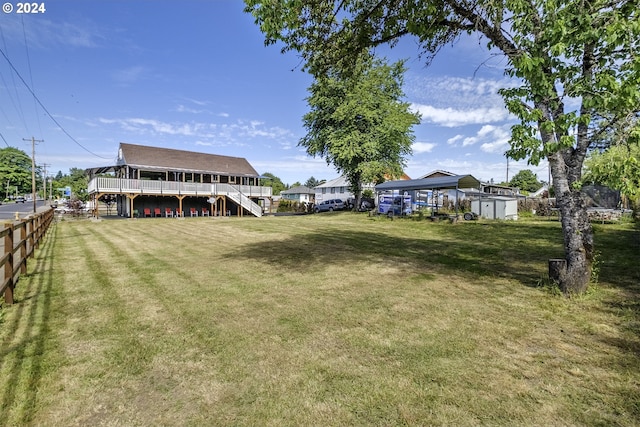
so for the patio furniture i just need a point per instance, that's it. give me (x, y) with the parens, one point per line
(205, 212)
(157, 212)
(194, 212)
(168, 212)
(147, 212)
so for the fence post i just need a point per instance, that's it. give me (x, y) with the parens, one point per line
(8, 265)
(23, 247)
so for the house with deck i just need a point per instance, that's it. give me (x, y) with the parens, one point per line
(150, 181)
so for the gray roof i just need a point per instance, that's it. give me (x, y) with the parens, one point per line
(439, 183)
(154, 158)
(300, 189)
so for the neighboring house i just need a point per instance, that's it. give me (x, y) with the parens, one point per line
(499, 190)
(338, 188)
(151, 179)
(300, 194)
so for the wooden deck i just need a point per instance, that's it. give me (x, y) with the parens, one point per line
(240, 194)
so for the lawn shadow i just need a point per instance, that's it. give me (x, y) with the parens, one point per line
(475, 250)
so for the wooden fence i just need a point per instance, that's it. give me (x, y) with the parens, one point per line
(15, 252)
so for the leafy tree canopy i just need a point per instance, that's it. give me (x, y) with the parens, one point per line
(15, 171)
(358, 121)
(617, 168)
(525, 180)
(274, 182)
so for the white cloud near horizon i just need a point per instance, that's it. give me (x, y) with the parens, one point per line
(450, 117)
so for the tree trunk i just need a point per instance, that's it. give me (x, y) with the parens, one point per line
(576, 229)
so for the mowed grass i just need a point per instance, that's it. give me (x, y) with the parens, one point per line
(322, 320)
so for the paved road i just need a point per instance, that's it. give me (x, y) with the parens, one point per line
(8, 210)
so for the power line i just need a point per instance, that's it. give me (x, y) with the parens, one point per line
(26, 48)
(47, 111)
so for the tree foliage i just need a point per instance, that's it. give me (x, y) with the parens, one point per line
(575, 66)
(15, 171)
(617, 168)
(274, 182)
(359, 123)
(525, 180)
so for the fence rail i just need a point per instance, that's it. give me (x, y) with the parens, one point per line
(15, 252)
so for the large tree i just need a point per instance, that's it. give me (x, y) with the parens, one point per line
(525, 180)
(574, 63)
(359, 123)
(276, 184)
(15, 171)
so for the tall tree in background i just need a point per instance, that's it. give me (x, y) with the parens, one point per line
(15, 171)
(359, 123)
(274, 182)
(575, 63)
(525, 180)
(312, 182)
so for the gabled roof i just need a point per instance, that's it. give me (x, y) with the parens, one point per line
(440, 183)
(300, 189)
(340, 181)
(154, 158)
(436, 174)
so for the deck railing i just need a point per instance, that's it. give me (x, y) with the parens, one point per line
(141, 186)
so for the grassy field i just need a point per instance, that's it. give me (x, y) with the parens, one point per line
(323, 320)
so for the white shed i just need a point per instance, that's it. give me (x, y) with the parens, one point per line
(495, 207)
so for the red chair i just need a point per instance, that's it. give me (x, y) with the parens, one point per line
(157, 212)
(168, 212)
(147, 212)
(194, 212)
(205, 212)
(179, 213)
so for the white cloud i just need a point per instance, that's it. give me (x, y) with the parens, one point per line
(450, 117)
(452, 141)
(423, 147)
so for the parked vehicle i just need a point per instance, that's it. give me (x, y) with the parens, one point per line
(20, 199)
(329, 206)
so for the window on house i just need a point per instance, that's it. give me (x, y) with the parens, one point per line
(324, 190)
(333, 190)
(341, 189)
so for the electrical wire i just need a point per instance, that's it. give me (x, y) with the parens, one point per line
(47, 111)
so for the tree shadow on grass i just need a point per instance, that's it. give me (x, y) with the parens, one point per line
(475, 250)
(513, 250)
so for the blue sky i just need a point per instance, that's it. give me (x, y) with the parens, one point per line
(195, 75)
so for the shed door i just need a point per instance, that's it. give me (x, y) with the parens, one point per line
(488, 209)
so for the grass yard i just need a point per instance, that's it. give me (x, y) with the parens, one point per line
(323, 320)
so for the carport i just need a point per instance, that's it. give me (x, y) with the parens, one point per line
(455, 182)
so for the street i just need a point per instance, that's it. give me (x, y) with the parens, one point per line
(8, 210)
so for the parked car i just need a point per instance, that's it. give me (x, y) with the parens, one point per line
(20, 199)
(329, 206)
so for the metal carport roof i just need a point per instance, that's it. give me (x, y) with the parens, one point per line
(439, 183)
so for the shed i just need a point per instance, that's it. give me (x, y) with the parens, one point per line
(495, 207)
(454, 182)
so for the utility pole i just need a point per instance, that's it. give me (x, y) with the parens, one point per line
(33, 170)
(44, 180)
(507, 170)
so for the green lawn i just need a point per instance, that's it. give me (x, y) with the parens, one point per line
(322, 320)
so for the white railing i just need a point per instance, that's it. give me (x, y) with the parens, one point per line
(238, 193)
(141, 186)
(246, 203)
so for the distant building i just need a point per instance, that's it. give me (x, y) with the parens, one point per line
(300, 194)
